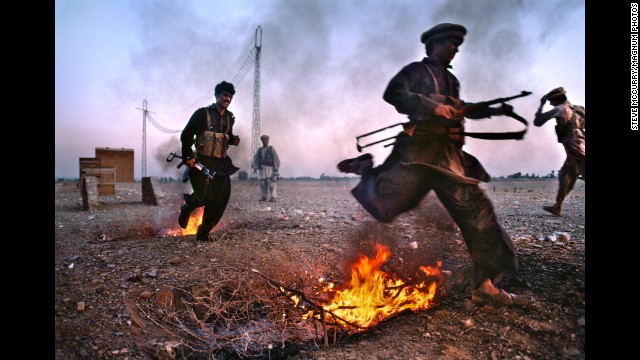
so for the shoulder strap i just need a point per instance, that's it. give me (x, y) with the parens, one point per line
(515, 135)
(433, 77)
(208, 118)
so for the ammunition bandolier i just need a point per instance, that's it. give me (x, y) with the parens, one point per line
(212, 133)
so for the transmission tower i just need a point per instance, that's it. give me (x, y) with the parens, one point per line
(255, 144)
(145, 114)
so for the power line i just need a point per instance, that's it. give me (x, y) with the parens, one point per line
(160, 127)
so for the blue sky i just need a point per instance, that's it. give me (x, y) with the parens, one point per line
(323, 68)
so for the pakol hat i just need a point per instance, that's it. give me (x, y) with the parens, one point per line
(444, 31)
(224, 86)
(264, 137)
(555, 93)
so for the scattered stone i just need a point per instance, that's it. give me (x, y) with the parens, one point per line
(175, 261)
(83, 353)
(564, 237)
(571, 352)
(340, 223)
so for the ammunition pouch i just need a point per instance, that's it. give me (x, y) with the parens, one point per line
(212, 144)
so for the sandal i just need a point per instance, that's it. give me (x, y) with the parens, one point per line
(502, 298)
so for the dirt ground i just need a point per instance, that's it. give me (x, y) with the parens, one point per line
(117, 267)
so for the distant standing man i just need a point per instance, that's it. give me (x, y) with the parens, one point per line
(570, 133)
(266, 163)
(211, 130)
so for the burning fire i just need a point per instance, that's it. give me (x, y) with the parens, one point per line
(194, 221)
(372, 295)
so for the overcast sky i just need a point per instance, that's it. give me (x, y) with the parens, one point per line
(324, 66)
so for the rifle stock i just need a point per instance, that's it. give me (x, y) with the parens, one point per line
(198, 166)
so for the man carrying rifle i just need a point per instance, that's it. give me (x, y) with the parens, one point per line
(428, 155)
(211, 129)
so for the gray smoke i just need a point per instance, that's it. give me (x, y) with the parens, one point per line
(324, 67)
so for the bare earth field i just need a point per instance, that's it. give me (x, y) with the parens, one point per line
(129, 285)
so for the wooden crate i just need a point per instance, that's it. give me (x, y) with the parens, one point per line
(88, 163)
(105, 177)
(106, 189)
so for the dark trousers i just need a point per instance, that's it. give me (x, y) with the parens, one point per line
(573, 165)
(213, 195)
(396, 187)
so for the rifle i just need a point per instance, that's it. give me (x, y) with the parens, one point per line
(466, 110)
(208, 173)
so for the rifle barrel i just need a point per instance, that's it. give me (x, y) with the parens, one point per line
(376, 131)
(501, 100)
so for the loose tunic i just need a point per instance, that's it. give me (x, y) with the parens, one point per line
(571, 134)
(433, 159)
(267, 162)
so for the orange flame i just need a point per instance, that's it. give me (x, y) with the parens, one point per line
(373, 295)
(194, 221)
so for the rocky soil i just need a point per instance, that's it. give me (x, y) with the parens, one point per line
(121, 271)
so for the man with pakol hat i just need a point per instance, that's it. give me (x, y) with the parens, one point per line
(427, 156)
(266, 164)
(210, 129)
(570, 133)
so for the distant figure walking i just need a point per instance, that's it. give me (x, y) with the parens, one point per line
(570, 133)
(266, 163)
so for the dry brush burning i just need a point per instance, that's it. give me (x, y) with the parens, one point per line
(373, 295)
